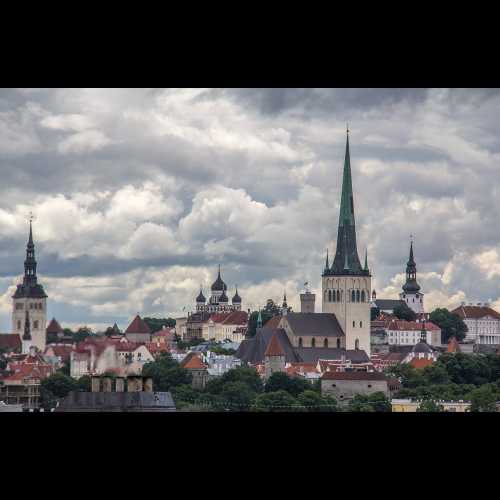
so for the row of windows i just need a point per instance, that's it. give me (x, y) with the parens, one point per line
(338, 295)
(35, 324)
(32, 305)
(360, 324)
(313, 342)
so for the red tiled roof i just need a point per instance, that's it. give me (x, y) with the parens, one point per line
(274, 347)
(237, 318)
(295, 368)
(138, 325)
(63, 351)
(353, 376)
(421, 362)
(54, 327)
(193, 362)
(273, 322)
(403, 325)
(29, 371)
(475, 312)
(10, 341)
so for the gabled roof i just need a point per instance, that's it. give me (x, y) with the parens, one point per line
(314, 324)
(475, 312)
(193, 362)
(274, 347)
(138, 325)
(403, 325)
(273, 322)
(54, 327)
(10, 341)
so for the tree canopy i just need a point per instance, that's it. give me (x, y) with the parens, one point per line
(451, 324)
(156, 324)
(404, 312)
(166, 373)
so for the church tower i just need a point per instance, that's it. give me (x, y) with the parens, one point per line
(346, 284)
(411, 289)
(29, 308)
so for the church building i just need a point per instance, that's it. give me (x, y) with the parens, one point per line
(411, 294)
(346, 284)
(218, 301)
(29, 308)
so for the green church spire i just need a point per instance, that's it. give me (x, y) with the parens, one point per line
(347, 201)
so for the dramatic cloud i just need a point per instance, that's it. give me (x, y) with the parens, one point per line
(140, 193)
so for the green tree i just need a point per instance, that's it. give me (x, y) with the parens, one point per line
(451, 324)
(82, 333)
(83, 384)
(237, 395)
(185, 394)
(281, 381)
(429, 406)
(314, 402)
(483, 399)
(404, 312)
(374, 313)
(279, 401)
(375, 402)
(156, 324)
(59, 384)
(246, 375)
(166, 373)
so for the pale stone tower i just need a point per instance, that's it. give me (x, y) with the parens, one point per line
(29, 308)
(307, 301)
(274, 357)
(346, 285)
(411, 289)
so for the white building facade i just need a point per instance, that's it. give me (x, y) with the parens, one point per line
(482, 321)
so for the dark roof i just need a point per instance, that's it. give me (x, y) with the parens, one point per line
(253, 350)
(388, 304)
(201, 297)
(218, 285)
(117, 401)
(353, 376)
(10, 341)
(422, 347)
(236, 298)
(223, 297)
(309, 324)
(32, 292)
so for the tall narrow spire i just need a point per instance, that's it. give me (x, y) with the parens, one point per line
(327, 264)
(346, 254)
(411, 285)
(30, 278)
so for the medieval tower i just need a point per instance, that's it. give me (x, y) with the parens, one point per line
(29, 308)
(346, 285)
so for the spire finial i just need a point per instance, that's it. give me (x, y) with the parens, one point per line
(347, 127)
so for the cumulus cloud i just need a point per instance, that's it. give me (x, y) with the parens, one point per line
(140, 193)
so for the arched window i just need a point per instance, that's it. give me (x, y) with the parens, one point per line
(329, 295)
(313, 342)
(338, 343)
(300, 341)
(356, 344)
(338, 296)
(361, 324)
(353, 296)
(363, 297)
(357, 296)
(333, 294)
(325, 343)
(354, 324)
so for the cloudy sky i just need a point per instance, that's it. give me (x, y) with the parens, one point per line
(140, 193)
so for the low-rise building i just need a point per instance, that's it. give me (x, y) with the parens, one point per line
(194, 363)
(345, 385)
(483, 323)
(411, 406)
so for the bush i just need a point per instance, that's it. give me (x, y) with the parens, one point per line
(281, 381)
(279, 401)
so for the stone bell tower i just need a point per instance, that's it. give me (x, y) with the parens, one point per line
(29, 307)
(346, 284)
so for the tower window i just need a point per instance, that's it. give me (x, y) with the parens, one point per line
(313, 342)
(300, 341)
(361, 324)
(35, 324)
(329, 295)
(338, 296)
(18, 325)
(357, 296)
(354, 324)
(338, 343)
(333, 296)
(325, 343)
(356, 344)
(363, 297)
(353, 296)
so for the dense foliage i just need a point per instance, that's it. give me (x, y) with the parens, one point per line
(404, 312)
(451, 324)
(166, 373)
(58, 386)
(156, 324)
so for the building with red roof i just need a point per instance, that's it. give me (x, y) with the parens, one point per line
(138, 330)
(197, 368)
(483, 323)
(10, 342)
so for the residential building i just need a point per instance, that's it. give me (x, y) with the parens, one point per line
(411, 406)
(230, 326)
(483, 323)
(346, 284)
(402, 332)
(29, 303)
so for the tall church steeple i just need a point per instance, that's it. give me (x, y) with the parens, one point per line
(30, 262)
(346, 259)
(411, 293)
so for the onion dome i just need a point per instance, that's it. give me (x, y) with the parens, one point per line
(201, 297)
(236, 297)
(223, 297)
(218, 285)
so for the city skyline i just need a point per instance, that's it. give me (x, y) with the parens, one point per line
(140, 194)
